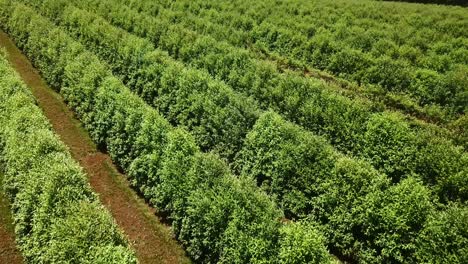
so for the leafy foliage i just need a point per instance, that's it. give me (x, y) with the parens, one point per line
(301, 245)
(444, 238)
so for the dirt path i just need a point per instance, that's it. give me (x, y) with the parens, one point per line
(152, 240)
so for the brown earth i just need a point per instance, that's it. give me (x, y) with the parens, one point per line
(152, 240)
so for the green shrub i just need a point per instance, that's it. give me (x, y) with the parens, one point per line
(176, 161)
(456, 93)
(206, 172)
(301, 243)
(126, 122)
(341, 204)
(239, 218)
(337, 118)
(393, 220)
(444, 238)
(385, 47)
(78, 233)
(389, 145)
(460, 129)
(82, 76)
(286, 161)
(427, 85)
(349, 62)
(393, 75)
(433, 156)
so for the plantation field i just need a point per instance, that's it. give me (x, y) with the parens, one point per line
(261, 131)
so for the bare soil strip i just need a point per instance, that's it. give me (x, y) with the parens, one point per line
(151, 239)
